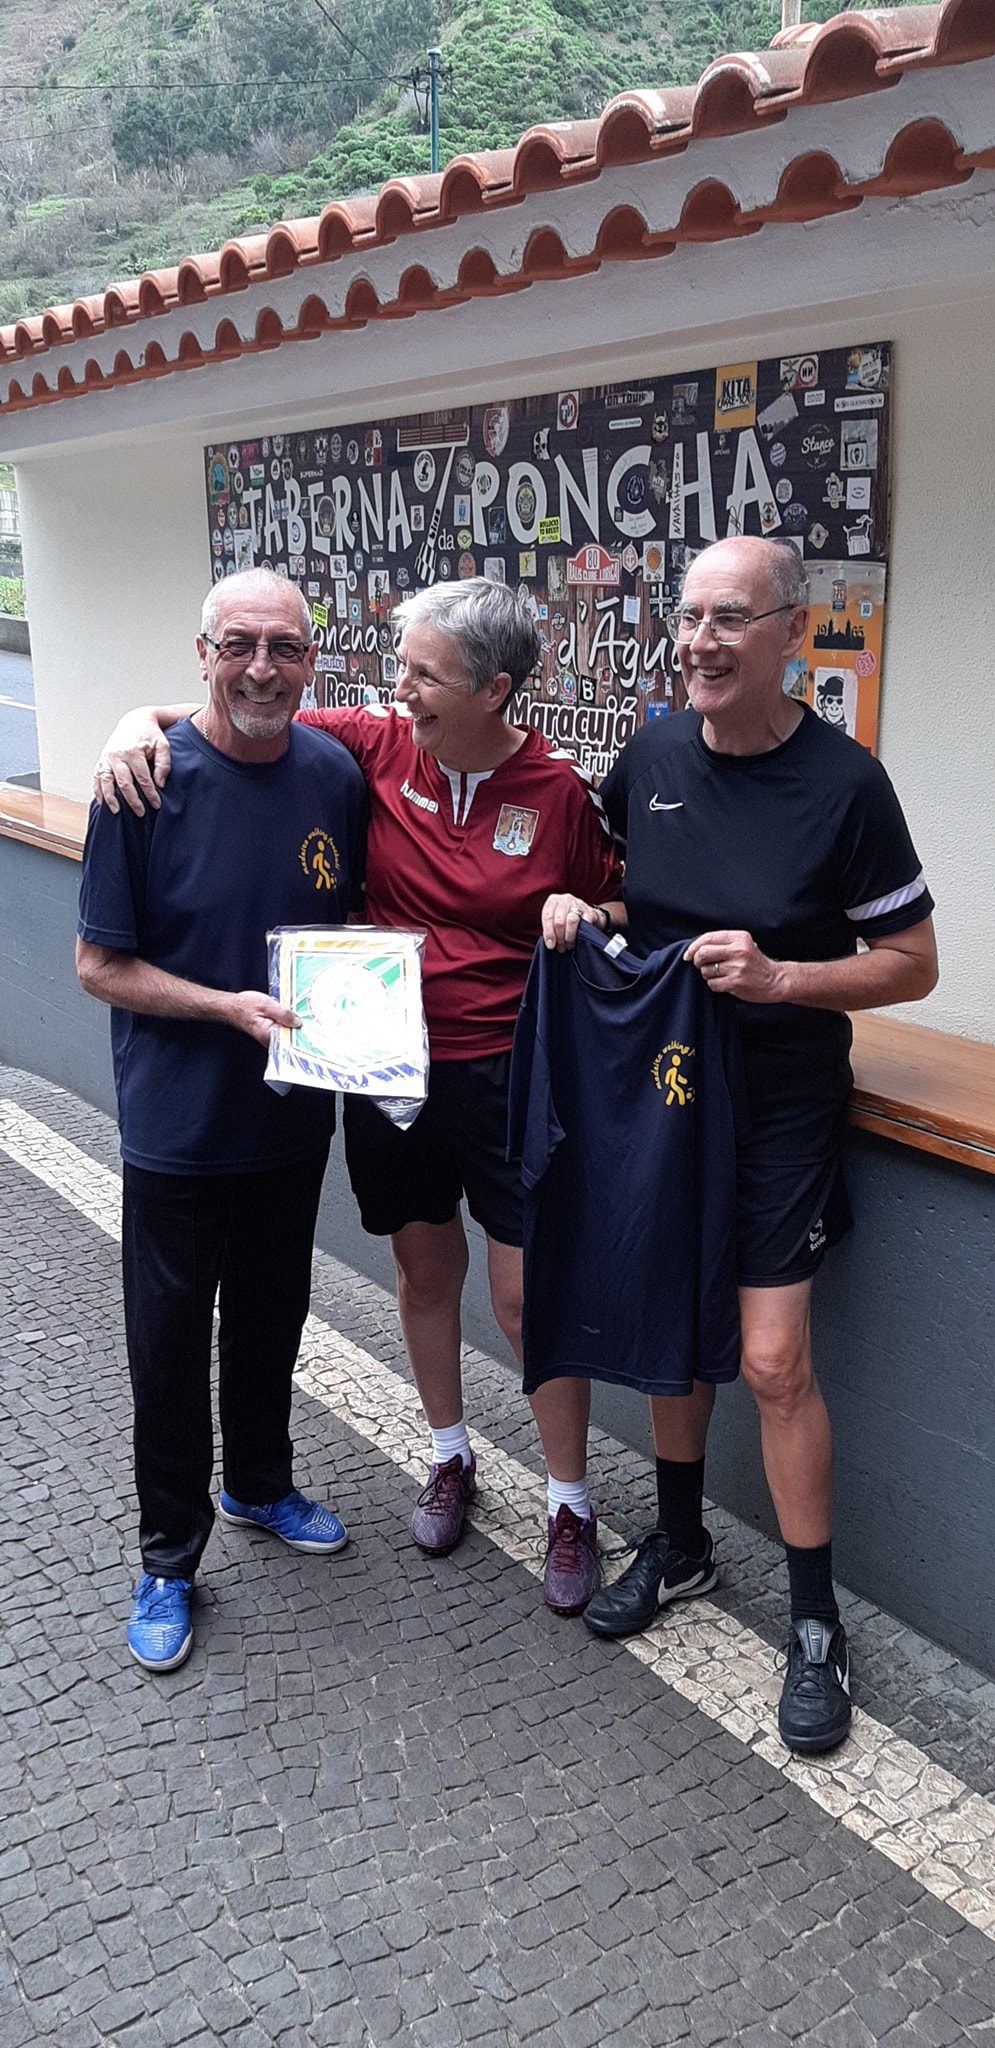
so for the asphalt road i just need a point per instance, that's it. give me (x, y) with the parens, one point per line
(18, 733)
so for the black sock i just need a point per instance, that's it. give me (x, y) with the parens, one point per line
(810, 1577)
(679, 1490)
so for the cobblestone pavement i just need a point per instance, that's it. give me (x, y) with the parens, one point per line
(394, 1801)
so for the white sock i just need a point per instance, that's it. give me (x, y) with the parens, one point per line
(568, 1493)
(446, 1443)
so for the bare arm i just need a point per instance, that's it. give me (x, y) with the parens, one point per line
(561, 915)
(136, 759)
(129, 983)
(901, 968)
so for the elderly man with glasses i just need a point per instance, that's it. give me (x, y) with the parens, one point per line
(768, 844)
(262, 824)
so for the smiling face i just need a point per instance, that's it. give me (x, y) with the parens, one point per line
(738, 686)
(459, 727)
(252, 701)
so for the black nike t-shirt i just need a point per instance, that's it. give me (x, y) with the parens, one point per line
(804, 846)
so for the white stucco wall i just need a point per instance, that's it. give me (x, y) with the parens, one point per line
(117, 557)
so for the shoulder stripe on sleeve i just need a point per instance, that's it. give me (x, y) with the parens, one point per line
(879, 906)
(582, 774)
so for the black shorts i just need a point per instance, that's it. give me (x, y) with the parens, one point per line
(792, 1203)
(456, 1146)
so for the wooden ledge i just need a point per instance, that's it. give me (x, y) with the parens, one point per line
(52, 822)
(922, 1088)
(925, 1088)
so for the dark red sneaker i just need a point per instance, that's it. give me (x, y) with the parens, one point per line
(439, 1519)
(573, 1571)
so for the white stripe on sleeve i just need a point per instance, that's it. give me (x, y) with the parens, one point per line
(880, 906)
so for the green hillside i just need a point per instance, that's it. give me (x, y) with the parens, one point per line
(135, 131)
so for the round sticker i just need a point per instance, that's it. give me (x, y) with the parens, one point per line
(794, 517)
(525, 501)
(445, 569)
(495, 429)
(274, 470)
(778, 454)
(324, 517)
(335, 447)
(352, 452)
(424, 471)
(783, 489)
(278, 444)
(568, 687)
(865, 662)
(634, 490)
(286, 469)
(467, 565)
(653, 558)
(485, 480)
(464, 538)
(238, 482)
(464, 469)
(233, 456)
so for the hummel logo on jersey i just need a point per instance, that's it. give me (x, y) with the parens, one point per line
(425, 803)
(656, 805)
(816, 1236)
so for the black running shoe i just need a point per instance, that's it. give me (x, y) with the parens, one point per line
(656, 1576)
(815, 1710)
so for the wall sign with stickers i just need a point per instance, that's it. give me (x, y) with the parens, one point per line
(592, 503)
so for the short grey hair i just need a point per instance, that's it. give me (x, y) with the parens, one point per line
(492, 629)
(786, 572)
(261, 582)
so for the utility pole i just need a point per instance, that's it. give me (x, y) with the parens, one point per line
(791, 14)
(438, 75)
(434, 63)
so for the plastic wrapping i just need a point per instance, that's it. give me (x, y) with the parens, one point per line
(357, 991)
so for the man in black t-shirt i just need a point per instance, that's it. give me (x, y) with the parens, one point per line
(769, 843)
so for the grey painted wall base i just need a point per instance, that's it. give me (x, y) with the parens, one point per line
(904, 1313)
(15, 635)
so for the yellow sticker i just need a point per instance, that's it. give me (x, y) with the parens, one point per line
(735, 395)
(319, 613)
(549, 532)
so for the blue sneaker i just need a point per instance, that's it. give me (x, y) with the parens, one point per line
(303, 1524)
(159, 1630)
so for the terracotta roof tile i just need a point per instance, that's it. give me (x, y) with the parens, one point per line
(813, 65)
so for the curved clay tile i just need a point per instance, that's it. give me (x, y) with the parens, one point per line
(234, 271)
(342, 224)
(966, 29)
(193, 279)
(66, 382)
(151, 299)
(83, 321)
(538, 163)
(313, 316)
(40, 386)
(28, 336)
(189, 355)
(406, 204)
(905, 31)
(462, 189)
(710, 214)
(637, 125)
(574, 144)
(546, 257)
(124, 371)
(227, 339)
(57, 325)
(842, 61)
(269, 328)
(923, 157)
(417, 289)
(120, 304)
(154, 360)
(283, 250)
(361, 302)
(15, 396)
(810, 187)
(93, 376)
(478, 274)
(624, 237)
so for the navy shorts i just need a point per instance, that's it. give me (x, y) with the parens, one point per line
(456, 1146)
(792, 1203)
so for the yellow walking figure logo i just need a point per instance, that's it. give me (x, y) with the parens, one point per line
(669, 1075)
(320, 859)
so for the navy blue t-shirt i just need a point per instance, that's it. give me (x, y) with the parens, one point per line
(193, 888)
(626, 1099)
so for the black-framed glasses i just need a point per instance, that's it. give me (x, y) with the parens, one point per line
(241, 647)
(727, 627)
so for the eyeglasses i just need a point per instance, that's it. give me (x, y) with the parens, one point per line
(728, 628)
(241, 647)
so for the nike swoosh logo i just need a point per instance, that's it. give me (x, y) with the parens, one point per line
(656, 805)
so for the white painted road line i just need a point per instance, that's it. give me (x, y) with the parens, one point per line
(884, 1790)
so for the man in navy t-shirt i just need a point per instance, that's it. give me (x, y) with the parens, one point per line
(262, 824)
(768, 845)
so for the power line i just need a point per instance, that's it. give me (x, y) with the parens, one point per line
(211, 84)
